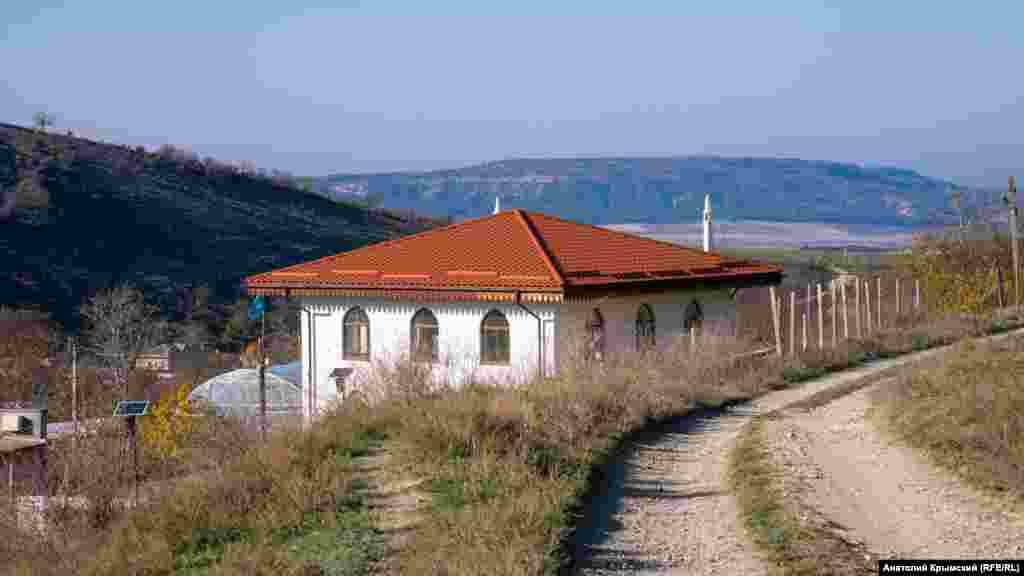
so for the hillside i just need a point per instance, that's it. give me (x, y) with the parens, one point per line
(666, 190)
(89, 215)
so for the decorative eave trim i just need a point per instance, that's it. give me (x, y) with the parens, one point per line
(409, 294)
(622, 289)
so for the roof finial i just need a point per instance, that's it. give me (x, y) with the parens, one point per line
(497, 204)
(707, 222)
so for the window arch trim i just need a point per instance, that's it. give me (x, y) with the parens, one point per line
(645, 328)
(355, 337)
(424, 333)
(495, 339)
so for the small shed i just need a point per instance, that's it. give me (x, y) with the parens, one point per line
(23, 447)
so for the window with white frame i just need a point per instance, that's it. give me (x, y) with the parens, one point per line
(693, 316)
(644, 328)
(356, 335)
(495, 344)
(595, 336)
(424, 336)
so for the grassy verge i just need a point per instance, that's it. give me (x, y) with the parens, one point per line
(966, 411)
(788, 544)
(290, 506)
(507, 469)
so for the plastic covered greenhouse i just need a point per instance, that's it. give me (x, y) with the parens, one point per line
(237, 393)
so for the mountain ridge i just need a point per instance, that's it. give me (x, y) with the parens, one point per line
(620, 189)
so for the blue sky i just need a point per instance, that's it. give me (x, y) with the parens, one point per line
(329, 87)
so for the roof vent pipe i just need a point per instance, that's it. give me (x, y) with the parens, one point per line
(497, 204)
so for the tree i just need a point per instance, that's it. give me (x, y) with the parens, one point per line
(42, 121)
(27, 338)
(120, 325)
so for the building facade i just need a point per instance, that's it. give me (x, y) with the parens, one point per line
(505, 298)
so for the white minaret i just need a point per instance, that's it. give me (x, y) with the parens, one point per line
(497, 204)
(707, 222)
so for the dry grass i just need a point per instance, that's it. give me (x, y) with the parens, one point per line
(507, 468)
(967, 412)
(790, 543)
(232, 506)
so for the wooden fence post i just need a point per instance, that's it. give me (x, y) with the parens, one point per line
(917, 295)
(999, 287)
(810, 300)
(835, 308)
(775, 321)
(867, 307)
(803, 318)
(792, 323)
(821, 321)
(846, 313)
(878, 282)
(899, 293)
(856, 305)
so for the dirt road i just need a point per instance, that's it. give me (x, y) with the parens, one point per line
(664, 506)
(884, 495)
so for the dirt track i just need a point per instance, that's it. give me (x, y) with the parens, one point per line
(884, 495)
(664, 507)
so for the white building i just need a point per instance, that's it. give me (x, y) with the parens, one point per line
(506, 297)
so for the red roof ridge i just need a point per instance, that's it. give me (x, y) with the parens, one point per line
(538, 243)
(633, 236)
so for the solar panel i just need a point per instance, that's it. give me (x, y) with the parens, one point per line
(132, 408)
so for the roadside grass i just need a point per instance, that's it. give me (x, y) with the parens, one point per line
(790, 543)
(964, 409)
(507, 469)
(966, 412)
(291, 506)
(775, 530)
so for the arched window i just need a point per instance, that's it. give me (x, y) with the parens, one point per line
(693, 317)
(494, 339)
(595, 336)
(424, 336)
(355, 338)
(644, 328)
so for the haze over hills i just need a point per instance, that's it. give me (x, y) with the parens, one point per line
(668, 190)
(89, 216)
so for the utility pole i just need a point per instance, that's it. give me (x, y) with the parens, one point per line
(1011, 200)
(263, 398)
(74, 392)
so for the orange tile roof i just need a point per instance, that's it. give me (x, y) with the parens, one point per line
(511, 250)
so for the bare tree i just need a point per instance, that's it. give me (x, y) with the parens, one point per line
(120, 325)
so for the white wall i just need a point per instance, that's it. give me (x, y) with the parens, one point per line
(620, 318)
(390, 324)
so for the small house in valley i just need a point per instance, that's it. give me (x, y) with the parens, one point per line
(505, 297)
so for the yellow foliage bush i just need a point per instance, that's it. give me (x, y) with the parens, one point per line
(960, 276)
(168, 427)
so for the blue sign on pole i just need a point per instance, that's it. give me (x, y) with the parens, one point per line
(256, 308)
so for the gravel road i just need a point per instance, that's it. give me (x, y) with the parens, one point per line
(884, 495)
(664, 507)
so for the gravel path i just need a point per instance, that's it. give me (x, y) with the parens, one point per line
(884, 495)
(663, 506)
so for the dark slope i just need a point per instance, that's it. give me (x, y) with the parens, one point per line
(104, 214)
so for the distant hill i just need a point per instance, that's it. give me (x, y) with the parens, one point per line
(78, 216)
(666, 190)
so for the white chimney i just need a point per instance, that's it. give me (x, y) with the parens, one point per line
(497, 204)
(707, 222)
